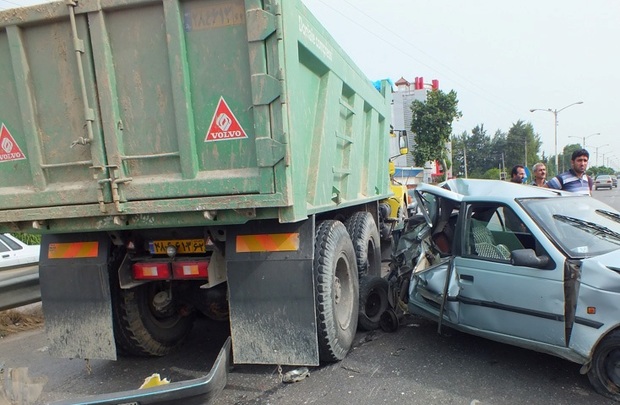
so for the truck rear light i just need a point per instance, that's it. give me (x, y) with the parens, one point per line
(184, 270)
(151, 271)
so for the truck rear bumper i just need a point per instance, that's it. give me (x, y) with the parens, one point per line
(190, 392)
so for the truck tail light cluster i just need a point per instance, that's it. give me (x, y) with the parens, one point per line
(167, 271)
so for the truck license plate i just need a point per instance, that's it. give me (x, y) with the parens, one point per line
(183, 246)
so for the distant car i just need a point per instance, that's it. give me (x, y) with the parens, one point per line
(614, 180)
(603, 181)
(526, 266)
(19, 272)
(15, 253)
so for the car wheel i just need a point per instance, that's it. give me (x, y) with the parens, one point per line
(604, 375)
(337, 290)
(373, 301)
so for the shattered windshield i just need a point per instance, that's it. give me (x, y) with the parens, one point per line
(581, 226)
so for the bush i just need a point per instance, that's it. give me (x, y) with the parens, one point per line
(28, 239)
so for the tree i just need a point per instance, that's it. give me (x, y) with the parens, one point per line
(497, 154)
(564, 158)
(476, 148)
(522, 145)
(431, 122)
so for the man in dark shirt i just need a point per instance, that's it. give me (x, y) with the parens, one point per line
(517, 174)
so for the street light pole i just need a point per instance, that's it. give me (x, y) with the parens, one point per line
(583, 138)
(608, 159)
(596, 147)
(555, 133)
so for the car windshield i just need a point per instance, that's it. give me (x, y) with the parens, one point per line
(581, 226)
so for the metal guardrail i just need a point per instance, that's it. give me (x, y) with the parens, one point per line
(19, 286)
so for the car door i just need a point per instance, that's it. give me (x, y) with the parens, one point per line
(8, 257)
(429, 294)
(496, 297)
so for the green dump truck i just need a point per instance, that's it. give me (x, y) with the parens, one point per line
(223, 157)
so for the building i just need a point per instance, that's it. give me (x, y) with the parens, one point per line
(404, 94)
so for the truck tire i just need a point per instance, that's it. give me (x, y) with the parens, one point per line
(337, 290)
(373, 301)
(140, 329)
(366, 242)
(604, 375)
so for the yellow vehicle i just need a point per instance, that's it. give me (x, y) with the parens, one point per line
(393, 210)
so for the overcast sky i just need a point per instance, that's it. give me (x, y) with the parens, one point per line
(503, 58)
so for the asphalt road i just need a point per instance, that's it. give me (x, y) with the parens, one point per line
(414, 365)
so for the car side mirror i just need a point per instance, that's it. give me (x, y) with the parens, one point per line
(528, 258)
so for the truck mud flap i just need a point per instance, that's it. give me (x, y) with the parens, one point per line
(271, 293)
(75, 290)
(189, 392)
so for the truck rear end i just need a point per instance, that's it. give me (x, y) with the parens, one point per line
(191, 156)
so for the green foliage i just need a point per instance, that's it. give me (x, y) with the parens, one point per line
(563, 160)
(479, 149)
(28, 239)
(522, 145)
(492, 174)
(487, 156)
(432, 124)
(596, 170)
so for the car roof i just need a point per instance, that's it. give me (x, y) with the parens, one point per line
(495, 190)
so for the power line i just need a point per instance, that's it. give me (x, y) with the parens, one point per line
(12, 3)
(498, 102)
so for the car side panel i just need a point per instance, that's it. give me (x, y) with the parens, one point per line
(511, 300)
(596, 313)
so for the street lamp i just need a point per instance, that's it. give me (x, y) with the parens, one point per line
(555, 116)
(608, 159)
(583, 138)
(596, 147)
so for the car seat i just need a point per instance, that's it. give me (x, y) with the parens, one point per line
(484, 243)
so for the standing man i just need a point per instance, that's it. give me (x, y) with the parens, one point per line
(540, 175)
(575, 179)
(517, 174)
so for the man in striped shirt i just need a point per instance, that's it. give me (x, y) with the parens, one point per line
(575, 180)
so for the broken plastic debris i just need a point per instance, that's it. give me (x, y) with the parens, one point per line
(153, 381)
(17, 387)
(296, 375)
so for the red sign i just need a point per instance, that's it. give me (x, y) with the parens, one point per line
(9, 149)
(224, 125)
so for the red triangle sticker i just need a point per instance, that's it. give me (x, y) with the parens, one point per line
(9, 149)
(224, 125)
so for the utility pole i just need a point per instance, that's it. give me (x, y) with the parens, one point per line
(465, 159)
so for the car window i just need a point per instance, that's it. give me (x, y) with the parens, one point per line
(11, 243)
(494, 231)
(4, 248)
(580, 226)
(432, 205)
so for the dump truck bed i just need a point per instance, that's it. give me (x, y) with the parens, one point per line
(130, 114)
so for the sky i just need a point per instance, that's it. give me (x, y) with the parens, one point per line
(502, 58)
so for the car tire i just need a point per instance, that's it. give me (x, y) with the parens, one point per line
(604, 373)
(366, 242)
(373, 302)
(337, 290)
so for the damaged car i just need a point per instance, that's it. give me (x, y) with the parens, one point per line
(527, 266)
